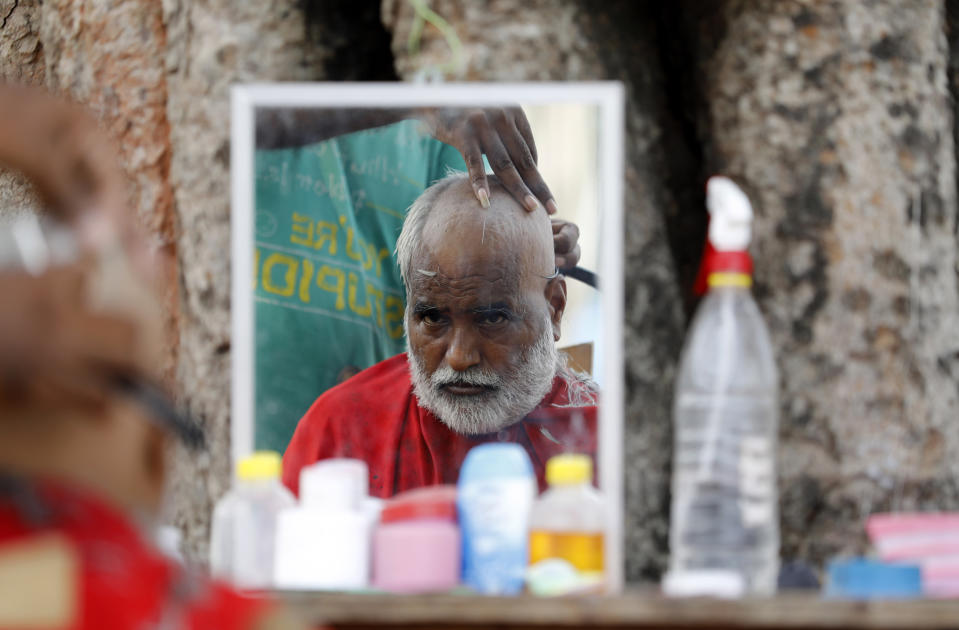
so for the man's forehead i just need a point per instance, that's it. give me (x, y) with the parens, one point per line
(459, 235)
(458, 278)
(463, 257)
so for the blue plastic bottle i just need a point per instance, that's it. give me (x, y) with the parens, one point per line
(494, 496)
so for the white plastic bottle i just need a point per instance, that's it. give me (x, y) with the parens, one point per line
(724, 532)
(568, 522)
(324, 543)
(244, 523)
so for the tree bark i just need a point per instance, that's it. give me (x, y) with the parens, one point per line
(210, 45)
(21, 60)
(108, 57)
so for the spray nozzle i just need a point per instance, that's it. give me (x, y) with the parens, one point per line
(730, 215)
(730, 230)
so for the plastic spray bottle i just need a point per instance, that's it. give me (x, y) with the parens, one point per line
(724, 532)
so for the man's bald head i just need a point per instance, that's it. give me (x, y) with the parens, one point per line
(447, 217)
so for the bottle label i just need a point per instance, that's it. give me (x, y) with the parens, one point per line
(757, 482)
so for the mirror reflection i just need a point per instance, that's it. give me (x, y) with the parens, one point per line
(413, 299)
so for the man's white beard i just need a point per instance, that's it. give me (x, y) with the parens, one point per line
(516, 392)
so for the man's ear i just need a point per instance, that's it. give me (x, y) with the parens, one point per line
(556, 298)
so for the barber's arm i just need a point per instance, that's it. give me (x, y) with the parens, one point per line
(64, 153)
(503, 134)
(283, 128)
(52, 346)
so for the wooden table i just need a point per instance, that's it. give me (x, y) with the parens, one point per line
(633, 610)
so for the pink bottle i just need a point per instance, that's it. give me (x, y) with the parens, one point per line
(416, 546)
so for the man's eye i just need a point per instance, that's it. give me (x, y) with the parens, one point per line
(431, 318)
(494, 319)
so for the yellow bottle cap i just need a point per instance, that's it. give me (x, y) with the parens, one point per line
(569, 469)
(260, 465)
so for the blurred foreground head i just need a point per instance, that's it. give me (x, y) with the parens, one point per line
(75, 333)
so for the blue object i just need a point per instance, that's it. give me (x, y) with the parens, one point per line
(860, 578)
(495, 493)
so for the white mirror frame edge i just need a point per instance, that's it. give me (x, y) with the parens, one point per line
(608, 96)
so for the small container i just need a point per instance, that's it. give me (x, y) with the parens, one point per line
(416, 547)
(245, 521)
(496, 489)
(324, 544)
(569, 520)
(862, 578)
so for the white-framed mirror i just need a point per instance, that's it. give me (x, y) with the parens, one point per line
(322, 178)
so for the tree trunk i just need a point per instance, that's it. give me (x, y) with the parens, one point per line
(21, 60)
(108, 57)
(210, 45)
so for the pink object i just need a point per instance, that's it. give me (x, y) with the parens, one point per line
(907, 536)
(929, 539)
(911, 522)
(416, 546)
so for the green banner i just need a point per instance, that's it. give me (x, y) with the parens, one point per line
(329, 299)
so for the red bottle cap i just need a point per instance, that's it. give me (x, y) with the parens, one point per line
(720, 262)
(433, 502)
(730, 262)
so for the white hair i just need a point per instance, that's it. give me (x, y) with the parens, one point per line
(582, 390)
(416, 217)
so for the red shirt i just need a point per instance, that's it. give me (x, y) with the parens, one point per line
(118, 580)
(374, 416)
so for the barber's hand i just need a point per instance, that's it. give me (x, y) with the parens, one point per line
(52, 347)
(566, 243)
(504, 135)
(62, 150)
(100, 315)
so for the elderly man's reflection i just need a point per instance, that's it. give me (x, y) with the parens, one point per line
(484, 308)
